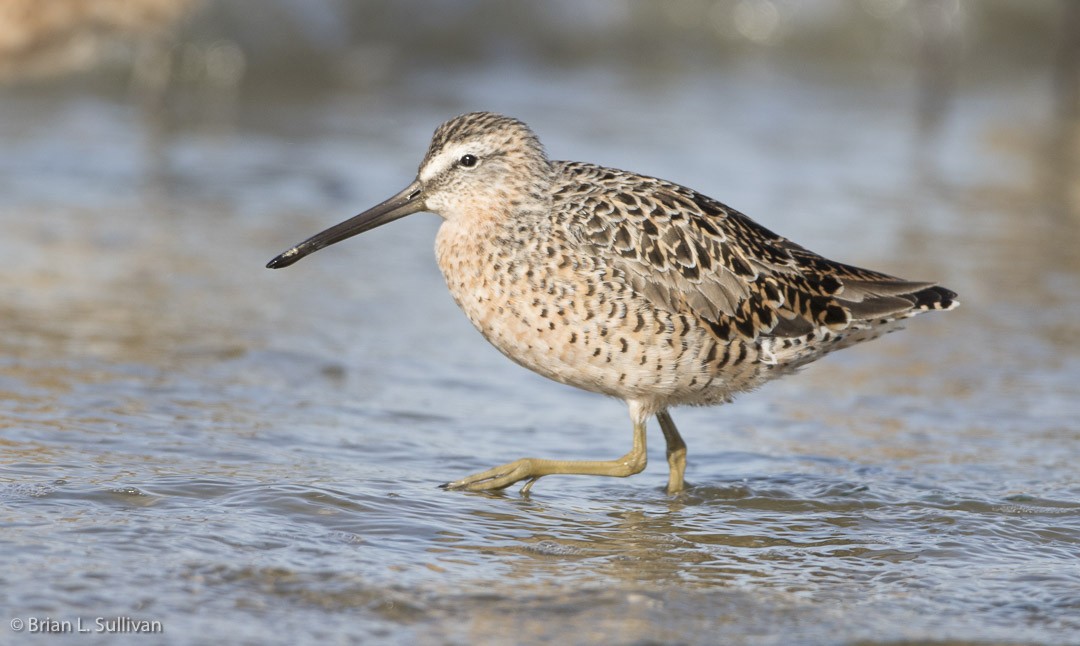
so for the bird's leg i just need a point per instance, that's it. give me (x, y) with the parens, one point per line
(676, 452)
(532, 469)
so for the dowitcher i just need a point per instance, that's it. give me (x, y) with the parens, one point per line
(624, 284)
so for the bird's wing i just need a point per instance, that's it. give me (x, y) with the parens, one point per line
(688, 253)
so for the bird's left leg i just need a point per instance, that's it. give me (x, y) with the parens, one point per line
(532, 469)
(676, 452)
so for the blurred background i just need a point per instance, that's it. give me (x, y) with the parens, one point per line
(186, 436)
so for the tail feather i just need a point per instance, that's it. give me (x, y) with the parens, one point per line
(895, 301)
(797, 342)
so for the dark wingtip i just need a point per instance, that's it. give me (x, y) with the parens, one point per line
(935, 298)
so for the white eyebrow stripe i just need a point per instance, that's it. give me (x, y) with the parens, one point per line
(442, 161)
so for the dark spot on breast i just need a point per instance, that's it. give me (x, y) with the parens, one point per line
(649, 227)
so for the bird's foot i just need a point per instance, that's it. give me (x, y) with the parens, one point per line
(499, 477)
(532, 469)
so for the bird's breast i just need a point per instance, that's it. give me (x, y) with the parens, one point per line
(516, 300)
(560, 312)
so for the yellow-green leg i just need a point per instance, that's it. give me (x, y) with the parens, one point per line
(676, 452)
(532, 469)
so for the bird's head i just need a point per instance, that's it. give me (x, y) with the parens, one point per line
(479, 164)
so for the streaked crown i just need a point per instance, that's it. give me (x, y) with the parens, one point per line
(483, 158)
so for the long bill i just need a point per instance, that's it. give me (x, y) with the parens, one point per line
(408, 201)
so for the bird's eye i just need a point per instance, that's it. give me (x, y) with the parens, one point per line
(468, 161)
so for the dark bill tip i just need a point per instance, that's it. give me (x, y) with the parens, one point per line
(285, 259)
(404, 203)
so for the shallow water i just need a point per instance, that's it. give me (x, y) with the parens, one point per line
(190, 438)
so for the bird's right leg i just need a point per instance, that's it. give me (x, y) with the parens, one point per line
(676, 452)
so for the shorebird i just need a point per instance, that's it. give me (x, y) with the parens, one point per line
(624, 284)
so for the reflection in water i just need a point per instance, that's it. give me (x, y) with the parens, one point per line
(262, 448)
